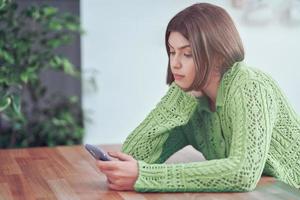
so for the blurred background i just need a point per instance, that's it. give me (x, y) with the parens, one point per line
(106, 63)
(40, 73)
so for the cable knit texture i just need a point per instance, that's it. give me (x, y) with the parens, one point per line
(254, 130)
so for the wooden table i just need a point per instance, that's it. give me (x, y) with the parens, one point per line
(70, 173)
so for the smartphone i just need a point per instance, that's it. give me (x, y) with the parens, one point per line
(97, 152)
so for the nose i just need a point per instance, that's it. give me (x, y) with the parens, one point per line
(175, 62)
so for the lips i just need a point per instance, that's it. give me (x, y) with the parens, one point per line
(178, 76)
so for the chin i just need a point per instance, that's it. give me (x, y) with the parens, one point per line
(182, 85)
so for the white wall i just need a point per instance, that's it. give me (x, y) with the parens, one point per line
(124, 42)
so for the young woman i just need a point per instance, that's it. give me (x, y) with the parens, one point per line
(234, 114)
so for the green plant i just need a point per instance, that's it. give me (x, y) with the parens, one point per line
(29, 115)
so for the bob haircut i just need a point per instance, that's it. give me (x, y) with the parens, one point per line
(213, 37)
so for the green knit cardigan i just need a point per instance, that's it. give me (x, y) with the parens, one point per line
(253, 131)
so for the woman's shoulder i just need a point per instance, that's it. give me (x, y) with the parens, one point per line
(242, 74)
(249, 80)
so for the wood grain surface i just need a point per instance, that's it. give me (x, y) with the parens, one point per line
(70, 173)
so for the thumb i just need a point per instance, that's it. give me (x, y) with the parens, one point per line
(121, 156)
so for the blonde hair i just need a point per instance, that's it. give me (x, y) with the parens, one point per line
(214, 40)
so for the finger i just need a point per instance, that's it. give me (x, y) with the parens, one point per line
(106, 165)
(107, 172)
(121, 156)
(114, 187)
(108, 180)
(110, 174)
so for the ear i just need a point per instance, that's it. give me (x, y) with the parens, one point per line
(218, 65)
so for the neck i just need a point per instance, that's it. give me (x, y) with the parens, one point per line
(211, 91)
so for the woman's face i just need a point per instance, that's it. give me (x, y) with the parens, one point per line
(181, 60)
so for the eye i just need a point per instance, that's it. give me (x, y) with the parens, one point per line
(188, 55)
(172, 53)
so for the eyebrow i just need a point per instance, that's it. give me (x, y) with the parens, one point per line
(182, 47)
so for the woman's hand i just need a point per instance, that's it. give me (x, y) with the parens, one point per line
(121, 174)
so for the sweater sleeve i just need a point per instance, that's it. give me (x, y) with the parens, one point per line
(251, 111)
(161, 133)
